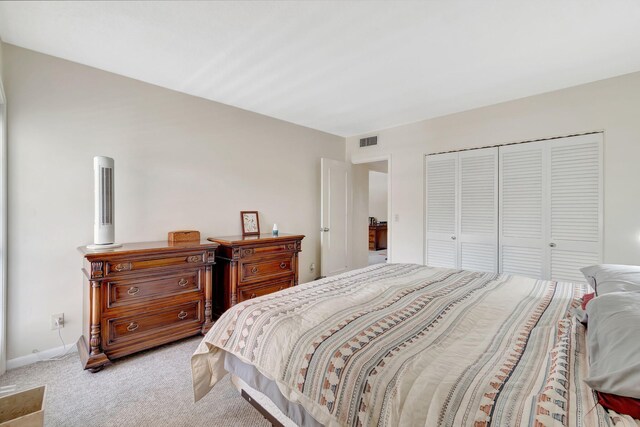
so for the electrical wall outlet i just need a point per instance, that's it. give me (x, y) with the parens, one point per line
(312, 267)
(57, 321)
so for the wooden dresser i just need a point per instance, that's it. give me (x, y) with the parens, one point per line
(252, 266)
(378, 237)
(142, 295)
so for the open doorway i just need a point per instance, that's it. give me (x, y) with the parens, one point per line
(346, 218)
(372, 232)
(378, 235)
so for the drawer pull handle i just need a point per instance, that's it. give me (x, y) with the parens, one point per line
(254, 270)
(183, 282)
(132, 326)
(133, 290)
(122, 267)
(253, 296)
(182, 315)
(194, 258)
(248, 252)
(283, 265)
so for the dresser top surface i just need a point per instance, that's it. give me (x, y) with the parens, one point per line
(159, 246)
(248, 240)
(378, 225)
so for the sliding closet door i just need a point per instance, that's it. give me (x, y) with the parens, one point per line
(523, 209)
(532, 209)
(478, 224)
(442, 210)
(575, 205)
(462, 210)
(551, 207)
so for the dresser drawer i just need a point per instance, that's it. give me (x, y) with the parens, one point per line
(159, 322)
(123, 292)
(260, 269)
(254, 291)
(280, 248)
(150, 262)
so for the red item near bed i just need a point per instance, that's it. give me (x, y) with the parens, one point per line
(620, 404)
(586, 298)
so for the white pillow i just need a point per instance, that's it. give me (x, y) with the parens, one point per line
(613, 341)
(607, 278)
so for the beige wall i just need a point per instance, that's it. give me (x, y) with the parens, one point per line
(611, 105)
(181, 162)
(378, 195)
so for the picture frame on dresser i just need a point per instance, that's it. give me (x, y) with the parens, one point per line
(250, 223)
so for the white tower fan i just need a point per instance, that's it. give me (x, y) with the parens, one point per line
(104, 228)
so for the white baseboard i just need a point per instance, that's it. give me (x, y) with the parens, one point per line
(40, 356)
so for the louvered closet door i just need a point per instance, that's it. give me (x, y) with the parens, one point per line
(442, 210)
(575, 205)
(523, 209)
(478, 224)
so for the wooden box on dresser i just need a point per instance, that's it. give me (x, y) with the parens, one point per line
(142, 295)
(252, 266)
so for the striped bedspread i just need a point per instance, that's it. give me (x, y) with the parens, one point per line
(408, 345)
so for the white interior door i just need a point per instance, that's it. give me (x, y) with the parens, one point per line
(523, 210)
(575, 205)
(442, 210)
(478, 221)
(335, 217)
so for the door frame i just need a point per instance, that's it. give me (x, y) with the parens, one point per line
(379, 158)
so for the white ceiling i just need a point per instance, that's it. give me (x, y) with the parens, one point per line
(343, 67)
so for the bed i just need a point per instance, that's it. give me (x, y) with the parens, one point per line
(404, 344)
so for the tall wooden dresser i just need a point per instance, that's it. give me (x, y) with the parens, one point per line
(377, 236)
(252, 266)
(142, 295)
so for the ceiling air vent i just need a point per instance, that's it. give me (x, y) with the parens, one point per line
(367, 142)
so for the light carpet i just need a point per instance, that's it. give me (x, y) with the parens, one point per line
(149, 388)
